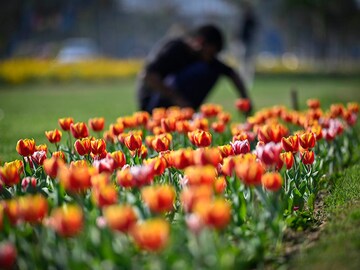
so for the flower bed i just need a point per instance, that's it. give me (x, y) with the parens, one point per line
(174, 189)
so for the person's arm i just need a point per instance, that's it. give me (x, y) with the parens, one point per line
(240, 87)
(154, 81)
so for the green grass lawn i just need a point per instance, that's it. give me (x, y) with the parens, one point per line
(26, 111)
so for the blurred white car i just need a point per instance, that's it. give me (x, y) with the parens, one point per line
(78, 49)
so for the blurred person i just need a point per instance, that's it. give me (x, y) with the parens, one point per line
(182, 71)
(246, 35)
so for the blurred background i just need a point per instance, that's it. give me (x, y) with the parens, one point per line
(289, 34)
(280, 47)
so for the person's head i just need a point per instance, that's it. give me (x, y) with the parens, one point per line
(208, 40)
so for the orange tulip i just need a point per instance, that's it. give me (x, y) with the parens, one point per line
(243, 104)
(161, 143)
(210, 110)
(226, 150)
(11, 210)
(317, 130)
(79, 130)
(204, 156)
(158, 164)
(119, 159)
(272, 181)
(65, 123)
(228, 165)
(117, 128)
(159, 199)
(10, 173)
(133, 142)
(98, 146)
(183, 126)
(120, 217)
(200, 138)
(191, 195)
(67, 220)
(224, 117)
(216, 214)
(104, 195)
(199, 175)
(168, 124)
(250, 172)
(353, 107)
(25, 147)
(54, 136)
(288, 159)
(97, 123)
(142, 152)
(200, 123)
(52, 165)
(308, 157)
(75, 179)
(41, 147)
(125, 178)
(181, 158)
(272, 133)
(290, 144)
(141, 118)
(59, 154)
(151, 235)
(313, 103)
(33, 208)
(307, 140)
(83, 146)
(220, 185)
(218, 127)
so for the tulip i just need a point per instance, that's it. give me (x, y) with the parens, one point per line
(272, 181)
(250, 172)
(240, 147)
(10, 173)
(104, 195)
(11, 211)
(25, 147)
(182, 127)
(142, 152)
(67, 220)
(104, 165)
(59, 154)
(161, 143)
(8, 255)
(313, 103)
(290, 144)
(243, 104)
(205, 156)
(116, 128)
(200, 138)
(75, 179)
(210, 110)
(65, 123)
(307, 157)
(181, 158)
(193, 194)
(199, 175)
(125, 178)
(33, 208)
(118, 158)
(216, 214)
(288, 159)
(120, 217)
(41, 147)
(38, 157)
(133, 142)
(28, 181)
(54, 136)
(269, 154)
(83, 146)
(141, 118)
(226, 150)
(97, 123)
(157, 164)
(79, 130)
(98, 146)
(220, 185)
(52, 165)
(218, 127)
(168, 124)
(151, 235)
(307, 140)
(224, 117)
(159, 199)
